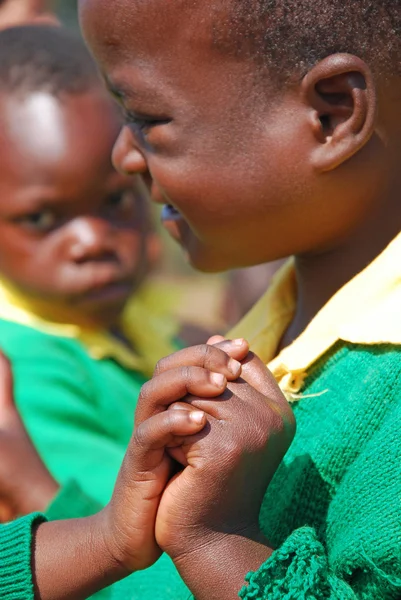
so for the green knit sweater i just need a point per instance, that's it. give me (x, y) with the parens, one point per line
(333, 509)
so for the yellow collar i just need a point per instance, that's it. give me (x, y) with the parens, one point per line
(149, 333)
(365, 311)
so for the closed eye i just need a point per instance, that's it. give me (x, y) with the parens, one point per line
(144, 123)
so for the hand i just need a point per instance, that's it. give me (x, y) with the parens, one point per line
(129, 519)
(230, 464)
(25, 483)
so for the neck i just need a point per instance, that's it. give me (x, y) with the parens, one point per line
(320, 276)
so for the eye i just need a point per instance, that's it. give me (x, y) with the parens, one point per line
(121, 202)
(41, 221)
(144, 123)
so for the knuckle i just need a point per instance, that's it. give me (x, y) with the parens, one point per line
(206, 354)
(161, 366)
(140, 437)
(187, 375)
(146, 392)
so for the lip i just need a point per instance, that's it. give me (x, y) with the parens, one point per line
(109, 293)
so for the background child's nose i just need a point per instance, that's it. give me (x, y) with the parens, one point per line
(91, 238)
(127, 158)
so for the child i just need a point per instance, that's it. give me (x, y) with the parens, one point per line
(74, 248)
(274, 129)
(16, 12)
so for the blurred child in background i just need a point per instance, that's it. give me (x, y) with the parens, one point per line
(75, 245)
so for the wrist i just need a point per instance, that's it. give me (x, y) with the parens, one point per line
(72, 559)
(216, 568)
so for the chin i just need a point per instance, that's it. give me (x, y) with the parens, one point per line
(207, 261)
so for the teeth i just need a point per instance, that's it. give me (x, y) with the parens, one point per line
(169, 212)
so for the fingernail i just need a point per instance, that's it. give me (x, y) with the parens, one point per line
(197, 416)
(218, 379)
(239, 342)
(234, 366)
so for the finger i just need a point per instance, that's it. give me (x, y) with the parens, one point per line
(215, 339)
(175, 449)
(151, 438)
(170, 386)
(256, 374)
(223, 358)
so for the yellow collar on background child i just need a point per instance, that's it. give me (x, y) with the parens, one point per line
(367, 310)
(150, 334)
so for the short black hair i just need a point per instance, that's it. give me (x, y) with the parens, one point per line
(44, 58)
(292, 35)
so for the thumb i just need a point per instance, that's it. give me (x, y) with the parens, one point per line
(152, 436)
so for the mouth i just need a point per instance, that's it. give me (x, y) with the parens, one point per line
(170, 213)
(110, 293)
(174, 223)
(106, 292)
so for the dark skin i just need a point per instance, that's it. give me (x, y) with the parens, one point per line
(74, 240)
(256, 174)
(72, 230)
(74, 559)
(18, 12)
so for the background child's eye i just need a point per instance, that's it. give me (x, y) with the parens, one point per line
(121, 202)
(41, 221)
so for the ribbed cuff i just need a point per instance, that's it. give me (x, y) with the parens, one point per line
(15, 558)
(298, 569)
(72, 503)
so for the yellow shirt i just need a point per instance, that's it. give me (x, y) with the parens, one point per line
(367, 310)
(149, 332)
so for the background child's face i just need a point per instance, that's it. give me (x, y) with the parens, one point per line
(232, 155)
(18, 12)
(72, 229)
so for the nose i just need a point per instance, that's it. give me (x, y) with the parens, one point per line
(91, 239)
(126, 157)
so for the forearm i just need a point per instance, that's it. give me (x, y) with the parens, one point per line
(217, 571)
(71, 560)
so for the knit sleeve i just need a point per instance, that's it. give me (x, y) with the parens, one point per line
(72, 503)
(15, 558)
(360, 558)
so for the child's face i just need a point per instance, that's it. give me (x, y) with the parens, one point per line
(231, 154)
(18, 12)
(72, 229)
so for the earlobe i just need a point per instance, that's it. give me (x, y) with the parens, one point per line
(341, 93)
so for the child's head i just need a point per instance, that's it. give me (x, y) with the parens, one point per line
(72, 229)
(18, 12)
(252, 124)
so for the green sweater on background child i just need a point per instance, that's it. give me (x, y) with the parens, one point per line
(77, 392)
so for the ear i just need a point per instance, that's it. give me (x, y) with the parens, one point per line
(342, 96)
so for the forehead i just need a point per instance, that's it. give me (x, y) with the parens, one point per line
(155, 50)
(42, 136)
